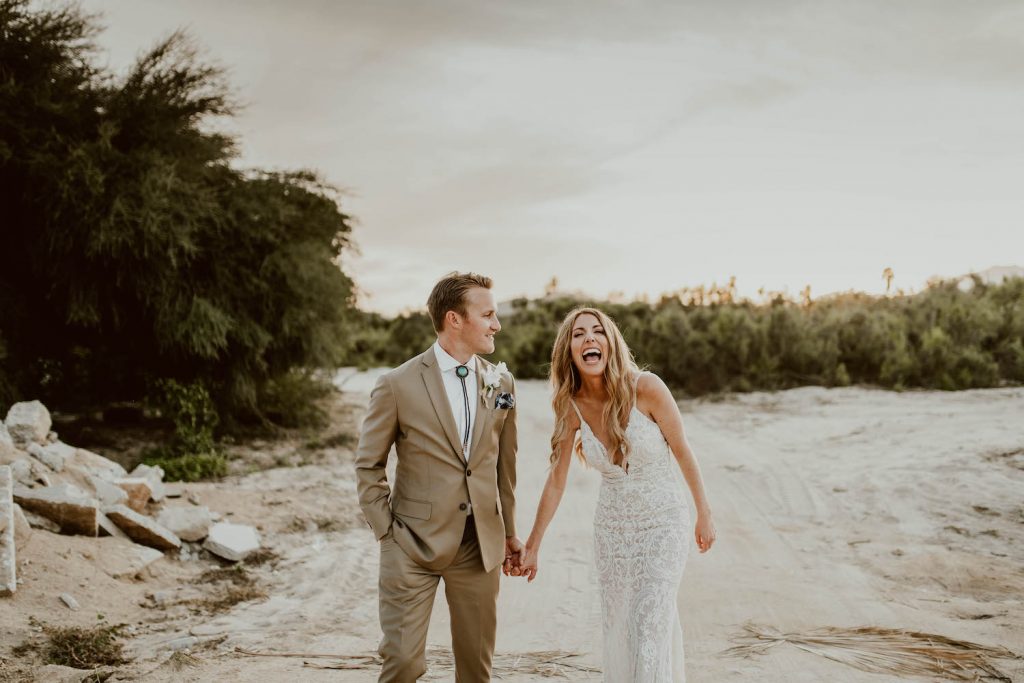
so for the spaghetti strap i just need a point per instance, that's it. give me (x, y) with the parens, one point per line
(578, 413)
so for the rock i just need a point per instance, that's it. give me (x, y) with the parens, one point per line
(98, 465)
(21, 472)
(8, 565)
(22, 529)
(138, 490)
(6, 443)
(232, 541)
(107, 527)
(155, 475)
(142, 529)
(174, 490)
(182, 643)
(29, 472)
(70, 601)
(28, 422)
(51, 436)
(67, 505)
(107, 492)
(122, 558)
(189, 523)
(54, 455)
(39, 522)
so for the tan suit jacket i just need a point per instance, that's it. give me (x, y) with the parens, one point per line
(434, 489)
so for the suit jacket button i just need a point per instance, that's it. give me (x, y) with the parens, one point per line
(462, 506)
(398, 523)
(469, 473)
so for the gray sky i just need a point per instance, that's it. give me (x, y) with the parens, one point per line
(632, 147)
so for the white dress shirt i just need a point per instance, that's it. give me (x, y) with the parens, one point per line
(453, 387)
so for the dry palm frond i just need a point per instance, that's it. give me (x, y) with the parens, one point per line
(885, 650)
(441, 662)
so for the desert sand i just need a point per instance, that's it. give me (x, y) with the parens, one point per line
(834, 507)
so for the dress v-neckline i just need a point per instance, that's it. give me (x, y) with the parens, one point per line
(604, 449)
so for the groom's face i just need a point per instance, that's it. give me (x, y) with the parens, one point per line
(480, 323)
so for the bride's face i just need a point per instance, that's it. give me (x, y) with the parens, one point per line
(589, 345)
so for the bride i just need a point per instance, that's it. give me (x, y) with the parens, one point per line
(630, 432)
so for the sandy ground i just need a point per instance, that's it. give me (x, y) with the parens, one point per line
(834, 507)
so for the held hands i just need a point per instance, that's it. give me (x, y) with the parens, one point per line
(520, 560)
(514, 550)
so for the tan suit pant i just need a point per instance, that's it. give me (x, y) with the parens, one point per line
(406, 597)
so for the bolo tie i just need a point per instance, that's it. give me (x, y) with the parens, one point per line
(462, 372)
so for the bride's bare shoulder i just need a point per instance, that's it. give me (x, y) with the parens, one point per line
(650, 390)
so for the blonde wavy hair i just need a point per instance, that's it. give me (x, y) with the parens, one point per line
(619, 377)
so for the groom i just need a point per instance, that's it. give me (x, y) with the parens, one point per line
(449, 513)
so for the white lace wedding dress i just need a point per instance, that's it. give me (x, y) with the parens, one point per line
(641, 538)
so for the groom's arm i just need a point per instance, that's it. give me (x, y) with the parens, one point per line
(507, 446)
(380, 426)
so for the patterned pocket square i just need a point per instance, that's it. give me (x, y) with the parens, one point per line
(504, 401)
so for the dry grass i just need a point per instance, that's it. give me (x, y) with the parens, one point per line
(77, 647)
(887, 651)
(230, 586)
(441, 663)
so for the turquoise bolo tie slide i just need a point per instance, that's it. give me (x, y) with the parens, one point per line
(462, 371)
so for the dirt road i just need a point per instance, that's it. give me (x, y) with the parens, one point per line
(845, 507)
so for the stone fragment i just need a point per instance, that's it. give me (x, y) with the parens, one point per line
(107, 492)
(122, 558)
(28, 422)
(155, 475)
(97, 464)
(29, 472)
(174, 490)
(22, 529)
(107, 527)
(53, 455)
(138, 490)
(6, 443)
(67, 505)
(70, 601)
(188, 523)
(232, 541)
(142, 529)
(39, 522)
(8, 566)
(182, 643)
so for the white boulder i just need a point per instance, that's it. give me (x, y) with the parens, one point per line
(188, 523)
(28, 422)
(155, 475)
(232, 541)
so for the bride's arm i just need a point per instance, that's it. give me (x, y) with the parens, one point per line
(550, 497)
(654, 398)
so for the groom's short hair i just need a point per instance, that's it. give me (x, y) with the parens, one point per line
(449, 294)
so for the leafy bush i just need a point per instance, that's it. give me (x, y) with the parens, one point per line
(945, 337)
(133, 248)
(192, 455)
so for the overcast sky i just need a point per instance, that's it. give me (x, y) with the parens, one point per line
(632, 146)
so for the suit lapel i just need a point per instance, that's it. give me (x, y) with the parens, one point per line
(439, 400)
(484, 412)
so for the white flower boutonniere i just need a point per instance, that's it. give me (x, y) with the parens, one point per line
(492, 378)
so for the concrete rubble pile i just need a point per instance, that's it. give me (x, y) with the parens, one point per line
(48, 485)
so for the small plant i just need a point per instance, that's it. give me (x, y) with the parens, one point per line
(78, 647)
(193, 454)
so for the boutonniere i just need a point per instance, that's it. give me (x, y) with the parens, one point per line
(492, 378)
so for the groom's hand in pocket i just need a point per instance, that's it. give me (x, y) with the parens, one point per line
(514, 550)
